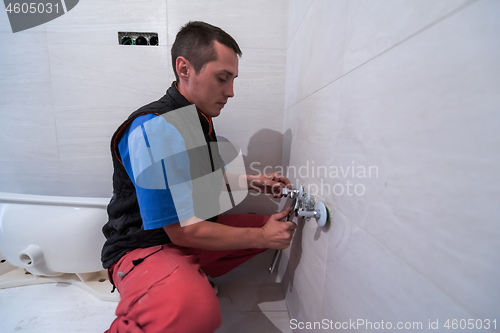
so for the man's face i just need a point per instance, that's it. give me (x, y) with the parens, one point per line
(210, 89)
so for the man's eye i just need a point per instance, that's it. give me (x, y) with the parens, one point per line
(222, 80)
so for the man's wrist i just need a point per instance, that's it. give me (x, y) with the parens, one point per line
(250, 179)
(259, 239)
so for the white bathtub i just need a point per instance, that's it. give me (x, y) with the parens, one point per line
(53, 239)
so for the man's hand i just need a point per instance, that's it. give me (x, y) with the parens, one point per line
(271, 183)
(278, 235)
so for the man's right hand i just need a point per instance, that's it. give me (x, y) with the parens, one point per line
(277, 234)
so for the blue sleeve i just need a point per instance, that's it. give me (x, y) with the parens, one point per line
(143, 148)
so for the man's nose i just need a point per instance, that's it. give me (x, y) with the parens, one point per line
(229, 90)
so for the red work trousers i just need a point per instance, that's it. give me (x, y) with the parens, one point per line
(164, 288)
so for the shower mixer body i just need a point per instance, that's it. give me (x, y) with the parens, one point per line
(303, 205)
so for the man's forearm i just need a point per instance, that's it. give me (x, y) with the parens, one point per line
(215, 237)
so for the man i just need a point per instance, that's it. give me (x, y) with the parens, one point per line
(157, 256)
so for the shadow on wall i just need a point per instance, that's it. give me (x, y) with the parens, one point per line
(261, 158)
(295, 249)
(287, 149)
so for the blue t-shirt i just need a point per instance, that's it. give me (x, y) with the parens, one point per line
(157, 207)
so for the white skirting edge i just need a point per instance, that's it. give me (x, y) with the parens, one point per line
(96, 283)
(51, 200)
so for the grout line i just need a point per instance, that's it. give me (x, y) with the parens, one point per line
(53, 98)
(288, 21)
(430, 25)
(251, 48)
(166, 25)
(256, 311)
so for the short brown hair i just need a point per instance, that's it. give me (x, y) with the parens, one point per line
(195, 42)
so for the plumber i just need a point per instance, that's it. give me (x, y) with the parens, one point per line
(157, 257)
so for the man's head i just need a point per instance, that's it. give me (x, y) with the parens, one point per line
(205, 63)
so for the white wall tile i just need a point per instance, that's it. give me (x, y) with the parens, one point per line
(27, 134)
(304, 271)
(253, 24)
(102, 34)
(108, 12)
(312, 145)
(4, 22)
(102, 76)
(87, 178)
(297, 9)
(422, 243)
(432, 125)
(25, 78)
(84, 136)
(32, 177)
(364, 280)
(6, 28)
(73, 64)
(314, 142)
(315, 54)
(85, 133)
(23, 38)
(253, 118)
(290, 130)
(373, 27)
(98, 22)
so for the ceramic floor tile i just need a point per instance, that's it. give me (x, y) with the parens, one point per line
(62, 308)
(255, 322)
(252, 273)
(251, 299)
(53, 308)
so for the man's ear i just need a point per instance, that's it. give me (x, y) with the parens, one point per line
(183, 67)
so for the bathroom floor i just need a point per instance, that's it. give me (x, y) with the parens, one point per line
(251, 301)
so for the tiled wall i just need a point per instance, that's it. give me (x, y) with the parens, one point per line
(67, 85)
(411, 88)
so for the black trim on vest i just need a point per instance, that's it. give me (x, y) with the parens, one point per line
(124, 230)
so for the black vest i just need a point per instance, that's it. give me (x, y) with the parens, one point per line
(124, 231)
